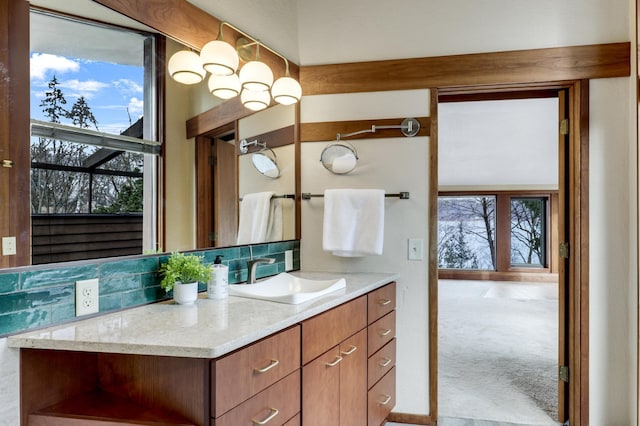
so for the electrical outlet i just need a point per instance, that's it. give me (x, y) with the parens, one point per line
(8, 246)
(288, 260)
(87, 297)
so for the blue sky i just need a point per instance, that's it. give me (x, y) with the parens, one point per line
(108, 88)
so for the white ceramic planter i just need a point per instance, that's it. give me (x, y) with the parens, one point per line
(185, 294)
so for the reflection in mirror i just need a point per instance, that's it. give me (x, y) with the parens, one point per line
(266, 163)
(273, 127)
(339, 158)
(86, 193)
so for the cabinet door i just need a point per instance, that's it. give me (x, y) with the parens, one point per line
(321, 390)
(353, 380)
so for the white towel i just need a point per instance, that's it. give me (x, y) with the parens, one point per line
(274, 224)
(254, 218)
(353, 222)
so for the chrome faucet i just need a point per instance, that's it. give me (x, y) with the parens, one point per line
(251, 267)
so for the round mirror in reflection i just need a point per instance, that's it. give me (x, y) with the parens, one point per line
(265, 162)
(339, 158)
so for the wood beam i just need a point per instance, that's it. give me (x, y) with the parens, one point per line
(512, 67)
(189, 25)
(327, 131)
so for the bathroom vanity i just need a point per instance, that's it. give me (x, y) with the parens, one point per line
(238, 361)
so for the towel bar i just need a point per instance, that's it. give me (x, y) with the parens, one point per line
(401, 195)
(292, 196)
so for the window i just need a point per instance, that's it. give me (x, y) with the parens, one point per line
(466, 232)
(93, 165)
(528, 232)
(502, 231)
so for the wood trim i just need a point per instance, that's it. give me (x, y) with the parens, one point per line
(15, 181)
(579, 260)
(432, 274)
(511, 67)
(209, 121)
(275, 138)
(537, 277)
(327, 131)
(298, 172)
(161, 113)
(414, 419)
(189, 25)
(204, 195)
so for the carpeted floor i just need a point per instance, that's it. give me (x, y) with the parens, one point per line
(497, 354)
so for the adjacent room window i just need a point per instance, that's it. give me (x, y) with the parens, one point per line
(528, 232)
(466, 232)
(493, 232)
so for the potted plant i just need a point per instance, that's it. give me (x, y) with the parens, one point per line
(181, 274)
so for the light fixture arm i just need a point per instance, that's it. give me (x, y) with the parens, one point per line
(256, 42)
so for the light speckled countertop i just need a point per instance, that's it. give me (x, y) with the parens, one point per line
(207, 329)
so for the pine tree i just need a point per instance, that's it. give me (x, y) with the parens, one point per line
(81, 115)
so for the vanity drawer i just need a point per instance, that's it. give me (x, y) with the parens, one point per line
(381, 332)
(294, 421)
(381, 362)
(275, 405)
(382, 398)
(380, 302)
(328, 329)
(240, 375)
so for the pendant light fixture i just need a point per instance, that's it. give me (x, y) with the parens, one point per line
(219, 57)
(286, 90)
(254, 81)
(225, 86)
(255, 100)
(185, 67)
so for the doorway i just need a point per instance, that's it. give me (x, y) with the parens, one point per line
(571, 218)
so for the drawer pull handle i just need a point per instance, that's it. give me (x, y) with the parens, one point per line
(385, 362)
(386, 400)
(335, 362)
(385, 332)
(384, 302)
(272, 364)
(274, 412)
(351, 350)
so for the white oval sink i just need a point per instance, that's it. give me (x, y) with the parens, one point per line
(287, 288)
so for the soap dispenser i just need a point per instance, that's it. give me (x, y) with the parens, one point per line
(218, 287)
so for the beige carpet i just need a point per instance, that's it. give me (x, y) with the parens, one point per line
(497, 355)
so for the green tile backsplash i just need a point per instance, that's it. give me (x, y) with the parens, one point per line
(32, 297)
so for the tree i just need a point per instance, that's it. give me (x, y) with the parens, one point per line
(456, 253)
(81, 114)
(128, 200)
(526, 229)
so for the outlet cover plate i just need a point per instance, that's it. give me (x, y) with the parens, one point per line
(87, 297)
(288, 260)
(8, 246)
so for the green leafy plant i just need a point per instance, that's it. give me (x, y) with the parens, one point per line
(184, 269)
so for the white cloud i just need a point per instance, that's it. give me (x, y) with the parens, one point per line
(136, 107)
(127, 86)
(87, 88)
(41, 63)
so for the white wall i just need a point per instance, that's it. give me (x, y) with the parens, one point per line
(393, 164)
(498, 145)
(336, 31)
(612, 255)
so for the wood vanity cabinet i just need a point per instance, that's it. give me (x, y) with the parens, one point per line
(381, 353)
(336, 368)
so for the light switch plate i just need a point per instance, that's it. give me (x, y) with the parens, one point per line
(8, 246)
(416, 249)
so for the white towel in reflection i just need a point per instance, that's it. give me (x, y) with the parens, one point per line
(274, 223)
(353, 222)
(254, 217)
